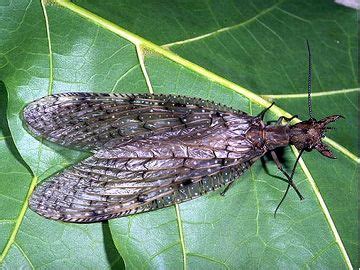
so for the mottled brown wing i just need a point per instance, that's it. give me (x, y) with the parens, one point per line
(140, 176)
(89, 120)
(150, 151)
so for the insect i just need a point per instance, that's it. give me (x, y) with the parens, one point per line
(152, 151)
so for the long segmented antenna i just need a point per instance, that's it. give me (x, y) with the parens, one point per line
(309, 80)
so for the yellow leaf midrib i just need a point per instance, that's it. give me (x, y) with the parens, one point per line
(324, 208)
(141, 42)
(313, 94)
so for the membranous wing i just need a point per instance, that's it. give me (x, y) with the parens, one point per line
(89, 120)
(140, 175)
(149, 151)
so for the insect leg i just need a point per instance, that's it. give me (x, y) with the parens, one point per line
(226, 189)
(282, 199)
(281, 118)
(262, 113)
(289, 178)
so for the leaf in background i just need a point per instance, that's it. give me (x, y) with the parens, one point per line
(261, 48)
(26, 239)
(258, 44)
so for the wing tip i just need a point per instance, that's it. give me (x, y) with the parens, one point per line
(55, 212)
(49, 202)
(33, 111)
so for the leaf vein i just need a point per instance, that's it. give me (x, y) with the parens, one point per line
(181, 234)
(324, 208)
(224, 29)
(314, 94)
(23, 253)
(18, 220)
(51, 68)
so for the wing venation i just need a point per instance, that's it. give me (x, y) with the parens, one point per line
(99, 189)
(149, 152)
(89, 120)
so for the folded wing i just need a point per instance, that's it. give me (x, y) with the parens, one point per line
(150, 151)
(134, 179)
(89, 120)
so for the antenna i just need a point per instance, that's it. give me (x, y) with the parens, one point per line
(309, 81)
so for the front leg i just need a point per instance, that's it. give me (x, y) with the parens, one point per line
(262, 113)
(281, 118)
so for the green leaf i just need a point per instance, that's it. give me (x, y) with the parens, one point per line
(259, 46)
(26, 239)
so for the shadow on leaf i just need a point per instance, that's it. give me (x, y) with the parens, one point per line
(111, 252)
(4, 127)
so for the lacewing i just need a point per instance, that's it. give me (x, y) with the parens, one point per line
(152, 151)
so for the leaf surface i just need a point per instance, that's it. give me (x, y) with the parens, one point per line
(64, 48)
